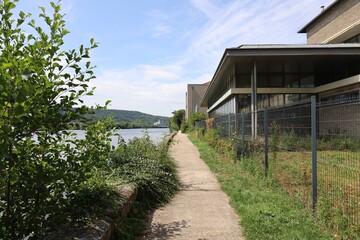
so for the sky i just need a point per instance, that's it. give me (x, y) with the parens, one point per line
(149, 50)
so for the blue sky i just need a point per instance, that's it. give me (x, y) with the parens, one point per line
(149, 50)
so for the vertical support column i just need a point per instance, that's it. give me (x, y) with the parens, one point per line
(266, 147)
(242, 133)
(236, 112)
(233, 76)
(313, 152)
(254, 102)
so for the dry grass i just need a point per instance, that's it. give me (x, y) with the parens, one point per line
(338, 186)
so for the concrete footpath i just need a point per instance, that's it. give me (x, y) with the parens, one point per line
(200, 210)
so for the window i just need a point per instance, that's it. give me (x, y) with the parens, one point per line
(291, 98)
(276, 80)
(291, 80)
(307, 80)
(275, 67)
(243, 80)
(291, 67)
(262, 80)
(244, 103)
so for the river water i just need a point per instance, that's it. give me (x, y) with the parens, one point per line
(156, 134)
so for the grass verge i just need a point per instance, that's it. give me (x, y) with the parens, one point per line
(267, 211)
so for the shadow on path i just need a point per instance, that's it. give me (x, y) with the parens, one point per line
(166, 231)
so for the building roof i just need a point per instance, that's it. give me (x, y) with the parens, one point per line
(247, 53)
(293, 47)
(304, 29)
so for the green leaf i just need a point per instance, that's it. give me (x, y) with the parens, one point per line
(6, 65)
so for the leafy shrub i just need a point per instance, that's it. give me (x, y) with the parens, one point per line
(42, 167)
(199, 132)
(212, 137)
(338, 142)
(185, 126)
(148, 167)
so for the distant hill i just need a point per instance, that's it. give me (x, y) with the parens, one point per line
(131, 119)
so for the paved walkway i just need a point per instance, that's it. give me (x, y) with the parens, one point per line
(200, 210)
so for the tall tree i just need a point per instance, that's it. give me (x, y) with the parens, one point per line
(177, 119)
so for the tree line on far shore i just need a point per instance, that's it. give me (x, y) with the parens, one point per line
(123, 119)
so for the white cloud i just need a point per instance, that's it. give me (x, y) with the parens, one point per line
(159, 23)
(245, 22)
(146, 88)
(205, 6)
(161, 29)
(160, 89)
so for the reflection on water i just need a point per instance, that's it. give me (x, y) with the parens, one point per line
(156, 134)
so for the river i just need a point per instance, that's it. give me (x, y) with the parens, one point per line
(156, 134)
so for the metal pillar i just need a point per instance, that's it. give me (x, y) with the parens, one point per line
(254, 102)
(313, 153)
(266, 147)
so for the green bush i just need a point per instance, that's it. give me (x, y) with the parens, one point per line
(42, 166)
(185, 126)
(148, 167)
(338, 142)
(212, 137)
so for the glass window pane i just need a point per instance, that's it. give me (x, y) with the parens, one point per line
(307, 81)
(262, 81)
(291, 67)
(261, 67)
(305, 96)
(275, 67)
(306, 67)
(291, 80)
(276, 81)
(291, 98)
(243, 80)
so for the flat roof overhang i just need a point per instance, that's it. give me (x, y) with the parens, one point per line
(247, 54)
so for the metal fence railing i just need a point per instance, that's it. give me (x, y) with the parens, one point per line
(312, 149)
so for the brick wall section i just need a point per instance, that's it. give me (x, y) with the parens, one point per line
(342, 15)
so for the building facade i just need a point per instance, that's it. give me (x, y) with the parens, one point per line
(271, 75)
(252, 77)
(194, 94)
(338, 23)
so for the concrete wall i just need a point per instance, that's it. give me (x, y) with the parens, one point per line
(194, 95)
(337, 24)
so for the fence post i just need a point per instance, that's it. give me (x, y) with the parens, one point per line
(243, 133)
(229, 128)
(313, 153)
(266, 147)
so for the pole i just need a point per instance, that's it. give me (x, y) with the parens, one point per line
(313, 153)
(266, 133)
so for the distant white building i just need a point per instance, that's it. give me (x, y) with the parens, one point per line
(158, 123)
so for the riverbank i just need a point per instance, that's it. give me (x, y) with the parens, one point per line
(142, 177)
